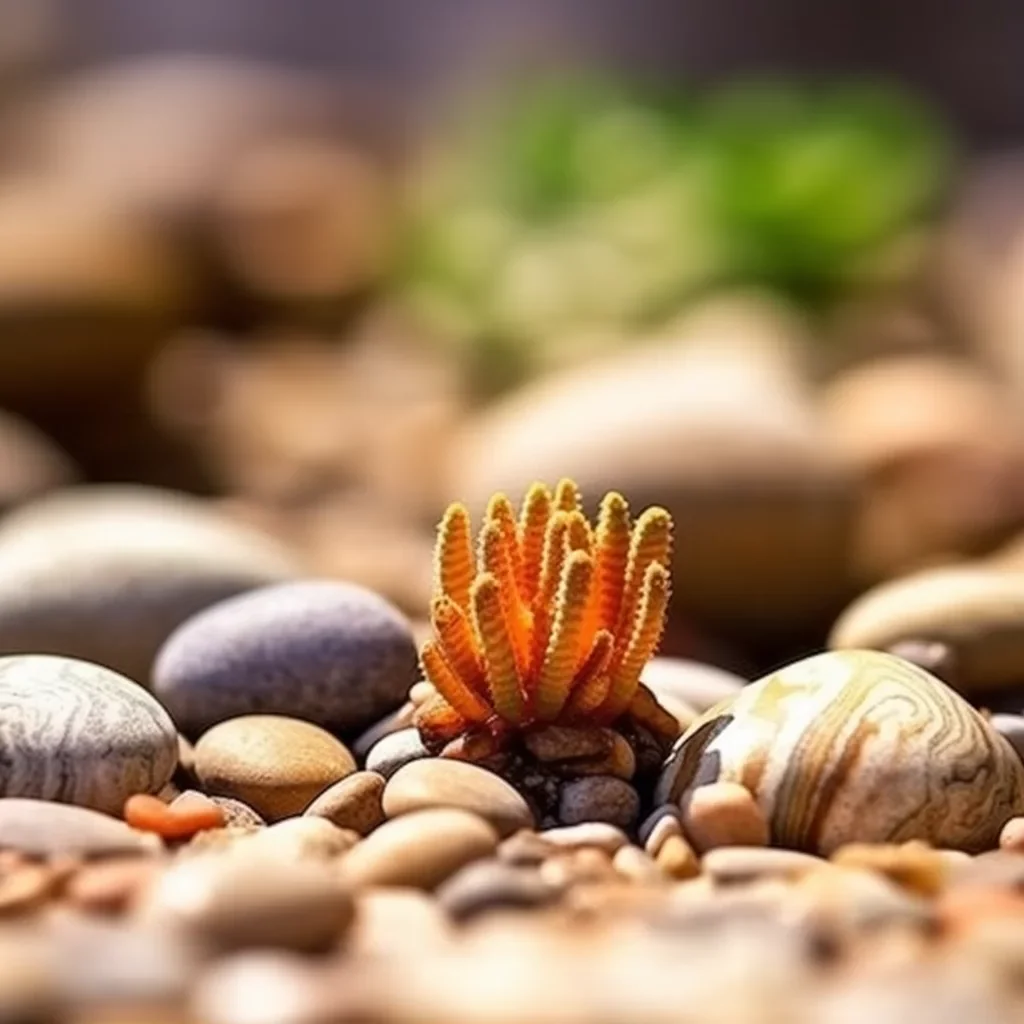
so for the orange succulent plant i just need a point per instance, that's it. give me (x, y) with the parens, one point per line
(549, 622)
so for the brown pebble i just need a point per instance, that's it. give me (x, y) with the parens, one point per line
(577, 867)
(1011, 838)
(110, 887)
(554, 743)
(353, 803)
(236, 813)
(419, 850)
(677, 858)
(723, 814)
(913, 866)
(734, 864)
(277, 765)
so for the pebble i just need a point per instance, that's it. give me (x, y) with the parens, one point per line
(913, 866)
(26, 888)
(186, 815)
(395, 750)
(526, 849)
(978, 612)
(564, 743)
(489, 885)
(442, 782)
(677, 858)
(32, 463)
(105, 573)
(330, 652)
(633, 863)
(723, 814)
(662, 822)
(696, 685)
(41, 828)
(356, 802)
(928, 766)
(277, 765)
(730, 864)
(1012, 836)
(296, 839)
(420, 849)
(599, 834)
(1012, 728)
(79, 733)
(236, 813)
(599, 798)
(234, 902)
(394, 921)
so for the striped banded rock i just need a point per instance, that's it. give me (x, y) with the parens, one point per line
(855, 746)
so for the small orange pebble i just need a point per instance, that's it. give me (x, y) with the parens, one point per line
(180, 820)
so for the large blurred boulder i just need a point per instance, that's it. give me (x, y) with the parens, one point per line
(714, 423)
(87, 293)
(937, 448)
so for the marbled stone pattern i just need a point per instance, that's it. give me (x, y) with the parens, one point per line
(78, 733)
(332, 653)
(855, 746)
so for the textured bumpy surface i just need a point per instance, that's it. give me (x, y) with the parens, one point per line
(79, 733)
(855, 746)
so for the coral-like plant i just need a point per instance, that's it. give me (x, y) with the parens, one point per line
(549, 623)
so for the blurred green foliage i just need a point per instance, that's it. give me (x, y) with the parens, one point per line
(583, 210)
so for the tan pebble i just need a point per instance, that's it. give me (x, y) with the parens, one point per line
(677, 858)
(353, 803)
(390, 921)
(913, 866)
(633, 863)
(110, 887)
(658, 827)
(26, 888)
(275, 764)
(619, 761)
(236, 813)
(231, 902)
(731, 864)
(300, 839)
(1012, 836)
(439, 782)
(421, 692)
(723, 814)
(420, 849)
(593, 833)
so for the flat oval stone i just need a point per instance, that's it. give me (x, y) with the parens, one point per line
(105, 573)
(274, 764)
(693, 683)
(79, 733)
(334, 653)
(978, 612)
(855, 746)
(420, 850)
(441, 782)
(746, 863)
(41, 828)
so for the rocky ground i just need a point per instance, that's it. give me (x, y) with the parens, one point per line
(222, 462)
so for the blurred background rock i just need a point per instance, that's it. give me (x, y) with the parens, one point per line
(328, 265)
